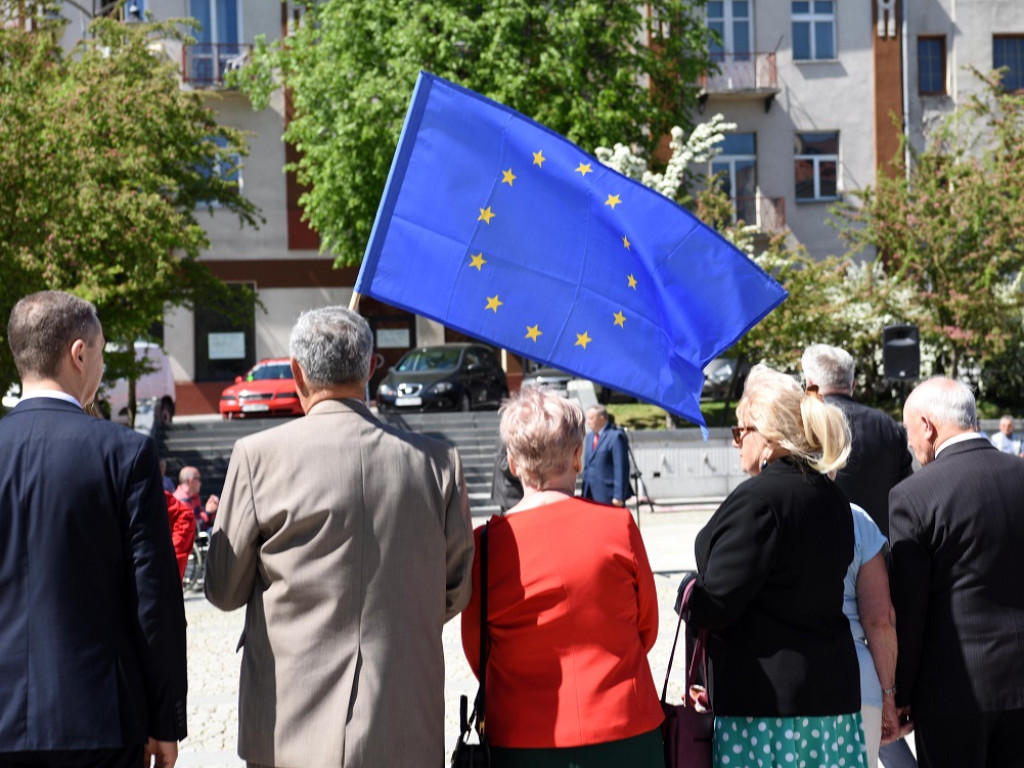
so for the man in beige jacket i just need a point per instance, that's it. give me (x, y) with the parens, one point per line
(350, 544)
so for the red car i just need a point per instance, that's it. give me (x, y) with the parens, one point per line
(268, 389)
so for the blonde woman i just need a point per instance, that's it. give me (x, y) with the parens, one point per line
(784, 679)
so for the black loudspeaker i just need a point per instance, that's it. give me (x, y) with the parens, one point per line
(901, 352)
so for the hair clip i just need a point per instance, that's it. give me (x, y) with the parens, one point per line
(812, 391)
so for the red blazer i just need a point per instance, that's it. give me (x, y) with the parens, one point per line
(572, 612)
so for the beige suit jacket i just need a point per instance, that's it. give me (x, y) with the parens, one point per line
(350, 542)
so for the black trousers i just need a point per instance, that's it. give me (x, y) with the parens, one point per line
(126, 757)
(971, 740)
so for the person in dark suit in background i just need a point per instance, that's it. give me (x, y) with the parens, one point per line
(879, 459)
(506, 489)
(878, 454)
(957, 534)
(92, 622)
(605, 460)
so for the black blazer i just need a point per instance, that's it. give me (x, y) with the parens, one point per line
(92, 623)
(879, 458)
(770, 589)
(957, 528)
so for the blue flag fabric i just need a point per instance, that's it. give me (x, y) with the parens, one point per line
(498, 227)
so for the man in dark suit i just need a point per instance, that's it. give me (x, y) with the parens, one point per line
(92, 623)
(957, 536)
(605, 460)
(879, 458)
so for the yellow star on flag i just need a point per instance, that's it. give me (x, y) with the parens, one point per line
(493, 303)
(507, 177)
(632, 282)
(584, 169)
(582, 339)
(538, 158)
(620, 319)
(612, 200)
(486, 214)
(532, 332)
(477, 260)
(625, 242)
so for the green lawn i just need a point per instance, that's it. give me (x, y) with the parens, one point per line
(643, 416)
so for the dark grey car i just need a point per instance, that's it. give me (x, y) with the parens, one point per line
(444, 378)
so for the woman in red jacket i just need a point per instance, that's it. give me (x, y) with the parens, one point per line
(572, 610)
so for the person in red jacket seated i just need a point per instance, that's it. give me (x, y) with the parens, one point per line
(183, 529)
(572, 610)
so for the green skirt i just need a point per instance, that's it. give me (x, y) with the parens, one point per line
(643, 751)
(833, 741)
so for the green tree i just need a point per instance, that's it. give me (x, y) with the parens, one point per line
(577, 66)
(105, 162)
(950, 232)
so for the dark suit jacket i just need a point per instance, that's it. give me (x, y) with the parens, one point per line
(879, 458)
(957, 535)
(92, 623)
(770, 589)
(606, 468)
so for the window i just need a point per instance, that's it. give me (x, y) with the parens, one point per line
(228, 169)
(217, 44)
(816, 165)
(931, 65)
(216, 361)
(731, 20)
(1008, 51)
(814, 29)
(737, 165)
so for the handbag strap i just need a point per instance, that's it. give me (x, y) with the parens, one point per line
(481, 693)
(699, 652)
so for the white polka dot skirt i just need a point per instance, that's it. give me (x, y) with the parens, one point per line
(834, 741)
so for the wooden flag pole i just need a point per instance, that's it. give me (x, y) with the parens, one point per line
(353, 303)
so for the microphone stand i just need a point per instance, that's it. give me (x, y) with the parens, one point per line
(638, 479)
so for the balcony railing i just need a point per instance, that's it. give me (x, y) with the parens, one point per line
(204, 64)
(742, 73)
(768, 214)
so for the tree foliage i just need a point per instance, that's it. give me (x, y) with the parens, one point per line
(105, 161)
(952, 233)
(577, 66)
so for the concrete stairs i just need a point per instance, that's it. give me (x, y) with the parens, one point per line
(206, 443)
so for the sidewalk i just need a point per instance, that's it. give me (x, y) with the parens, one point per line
(668, 534)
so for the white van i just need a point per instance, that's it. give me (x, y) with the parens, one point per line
(157, 386)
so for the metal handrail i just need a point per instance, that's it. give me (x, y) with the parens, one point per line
(207, 63)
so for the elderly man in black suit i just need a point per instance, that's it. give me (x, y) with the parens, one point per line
(957, 536)
(92, 623)
(878, 457)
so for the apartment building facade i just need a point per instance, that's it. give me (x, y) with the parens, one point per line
(811, 85)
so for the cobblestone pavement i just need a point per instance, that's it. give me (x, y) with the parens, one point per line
(213, 635)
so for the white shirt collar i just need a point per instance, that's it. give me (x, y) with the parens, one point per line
(56, 394)
(962, 437)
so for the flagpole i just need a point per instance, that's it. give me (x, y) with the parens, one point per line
(353, 303)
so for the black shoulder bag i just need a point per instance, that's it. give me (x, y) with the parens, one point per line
(478, 755)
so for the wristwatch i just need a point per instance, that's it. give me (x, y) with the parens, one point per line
(889, 691)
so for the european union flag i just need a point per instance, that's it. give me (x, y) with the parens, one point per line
(500, 228)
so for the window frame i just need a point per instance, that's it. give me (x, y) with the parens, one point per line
(816, 160)
(728, 22)
(730, 159)
(1015, 73)
(941, 40)
(812, 18)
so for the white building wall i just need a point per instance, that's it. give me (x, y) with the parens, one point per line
(283, 307)
(833, 95)
(968, 26)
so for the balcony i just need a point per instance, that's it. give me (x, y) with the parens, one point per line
(203, 65)
(741, 76)
(768, 214)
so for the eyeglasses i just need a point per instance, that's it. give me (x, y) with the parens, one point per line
(738, 433)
